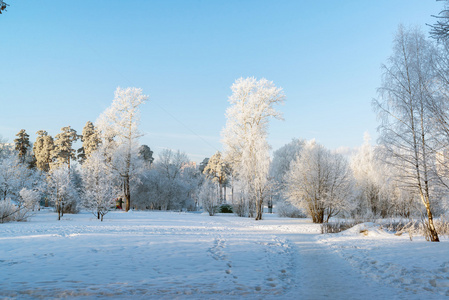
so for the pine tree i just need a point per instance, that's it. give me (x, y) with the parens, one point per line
(22, 143)
(146, 155)
(63, 151)
(91, 140)
(42, 148)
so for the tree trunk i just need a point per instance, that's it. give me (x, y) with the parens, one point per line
(224, 188)
(432, 231)
(259, 206)
(98, 215)
(127, 194)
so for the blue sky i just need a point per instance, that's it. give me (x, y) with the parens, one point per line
(62, 60)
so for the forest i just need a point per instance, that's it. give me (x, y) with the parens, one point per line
(404, 175)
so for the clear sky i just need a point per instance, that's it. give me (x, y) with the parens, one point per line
(62, 60)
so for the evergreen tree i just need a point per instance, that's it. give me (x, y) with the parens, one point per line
(91, 140)
(146, 154)
(63, 151)
(22, 144)
(203, 164)
(42, 148)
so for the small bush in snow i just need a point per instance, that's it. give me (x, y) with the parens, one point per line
(286, 210)
(225, 209)
(7, 210)
(11, 212)
(338, 226)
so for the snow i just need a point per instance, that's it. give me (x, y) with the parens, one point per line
(414, 265)
(168, 255)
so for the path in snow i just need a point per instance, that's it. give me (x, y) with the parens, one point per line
(170, 255)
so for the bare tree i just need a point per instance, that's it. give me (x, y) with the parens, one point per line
(440, 30)
(406, 130)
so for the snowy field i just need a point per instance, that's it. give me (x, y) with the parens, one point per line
(152, 255)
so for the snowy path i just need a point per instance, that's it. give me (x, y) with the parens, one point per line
(171, 255)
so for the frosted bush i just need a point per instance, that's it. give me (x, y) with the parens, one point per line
(286, 210)
(7, 210)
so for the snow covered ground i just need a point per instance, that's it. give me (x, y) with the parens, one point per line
(147, 255)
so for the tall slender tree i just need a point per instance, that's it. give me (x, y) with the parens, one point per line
(91, 140)
(43, 148)
(407, 132)
(22, 144)
(245, 135)
(217, 170)
(63, 153)
(120, 133)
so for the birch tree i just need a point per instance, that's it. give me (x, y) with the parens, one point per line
(60, 188)
(371, 186)
(245, 135)
(120, 133)
(406, 130)
(99, 190)
(319, 182)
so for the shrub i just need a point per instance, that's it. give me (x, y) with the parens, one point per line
(225, 209)
(7, 210)
(286, 210)
(339, 226)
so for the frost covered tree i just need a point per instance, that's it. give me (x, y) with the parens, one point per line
(98, 188)
(208, 197)
(371, 182)
(63, 152)
(407, 131)
(280, 165)
(245, 136)
(20, 189)
(43, 148)
(169, 188)
(14, 176)
(157, 192)
(91, 140)
(170, 163)
(61, 189)
(319, 182)
(192, 180)
(22, 144)
(165, 184)
(30, 197)
(120, 133)
(217, 170)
